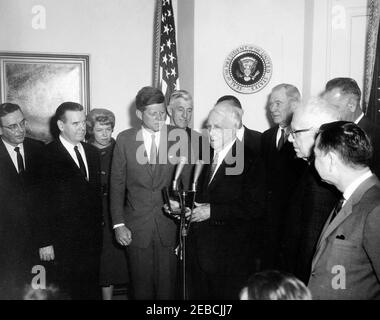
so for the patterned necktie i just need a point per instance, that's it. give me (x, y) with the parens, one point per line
(20, 161)
(281, 141)
(80, 160)
(153, 153)
(337, 208)
(213, 167)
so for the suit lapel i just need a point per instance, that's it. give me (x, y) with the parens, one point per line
(28, 154)
(342, 215)
(90, 163)
(67, 157)
(228, 161)
(7, 161)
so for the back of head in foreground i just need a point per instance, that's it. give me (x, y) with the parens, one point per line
(274, 285)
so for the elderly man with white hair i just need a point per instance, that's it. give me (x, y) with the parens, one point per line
(230, 198)
(312, 200)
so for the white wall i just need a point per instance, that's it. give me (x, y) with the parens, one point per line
(277, 26)
(118, 35)
(338, 41)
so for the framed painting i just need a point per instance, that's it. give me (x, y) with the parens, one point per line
(39, 83)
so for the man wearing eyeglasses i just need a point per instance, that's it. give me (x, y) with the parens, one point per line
(21, 163)
(312, 199)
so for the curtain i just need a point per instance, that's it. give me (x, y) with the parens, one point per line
(371, 92)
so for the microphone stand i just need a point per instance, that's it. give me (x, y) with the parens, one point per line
(184, 230)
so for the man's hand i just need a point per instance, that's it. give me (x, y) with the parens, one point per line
(123, 235)
(176, 210)
(201, 212)
(174, 205)
(46, 253)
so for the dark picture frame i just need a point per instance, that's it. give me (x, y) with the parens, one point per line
(39, 83)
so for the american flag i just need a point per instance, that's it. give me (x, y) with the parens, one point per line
(166, 63)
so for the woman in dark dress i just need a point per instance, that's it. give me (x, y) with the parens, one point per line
(113, 263)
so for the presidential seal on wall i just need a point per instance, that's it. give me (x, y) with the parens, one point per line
(247, 69)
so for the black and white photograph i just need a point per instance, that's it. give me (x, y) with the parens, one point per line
(190, 153)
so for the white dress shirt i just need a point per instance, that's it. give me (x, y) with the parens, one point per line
(359, 118)
(70, 149)
(240, 133)
(221, 155)
(355, 184)
(278, 136)
(147, 136)
(13, 153)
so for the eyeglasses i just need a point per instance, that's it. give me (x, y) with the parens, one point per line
(295, 132)
(13, 127)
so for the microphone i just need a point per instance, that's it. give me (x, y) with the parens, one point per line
(178, 171)
(197, 172)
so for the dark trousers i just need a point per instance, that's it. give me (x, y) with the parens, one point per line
(77, 278)
(207, 286)
(153, 271)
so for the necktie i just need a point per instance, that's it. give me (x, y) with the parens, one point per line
(153, 153)
(20, 161)
(281, 141)
(80, 160)
(337, 208)
(213, 167)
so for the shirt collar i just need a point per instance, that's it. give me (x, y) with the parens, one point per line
(11, 148)
(359, 118)
(355, 184)
(240, 133)
(68, 145)
(147, 133)
(222, 153)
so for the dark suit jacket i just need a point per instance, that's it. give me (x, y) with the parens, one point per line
(136, 190)
(225, 243)
(74, 208)
(283, 171)
(351, 241)
(310, 205)
(373, 131)
(19, 207)
(252, 139)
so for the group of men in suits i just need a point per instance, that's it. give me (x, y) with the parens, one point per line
(308, 233)
(260, 203)
(51, 206)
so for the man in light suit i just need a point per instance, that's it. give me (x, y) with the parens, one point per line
(345, 95)
(346, 263)
(141, 167)
(230, 201)
(74, 208)
(21, 164)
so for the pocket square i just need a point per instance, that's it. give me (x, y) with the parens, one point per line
(340, 236)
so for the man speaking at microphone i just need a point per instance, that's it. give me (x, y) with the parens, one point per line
(230, 198)
(142, 167)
